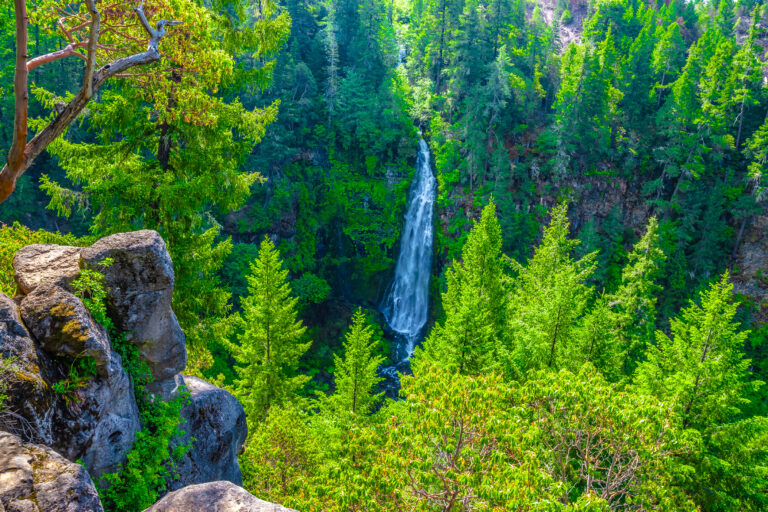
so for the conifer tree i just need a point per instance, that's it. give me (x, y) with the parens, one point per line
(271, 341)
(634, 302)
(355, 374)
(550, 294)
(617, 328)
(473, 302)
(701, 367)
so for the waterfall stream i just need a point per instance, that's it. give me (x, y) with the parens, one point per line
(407, 299)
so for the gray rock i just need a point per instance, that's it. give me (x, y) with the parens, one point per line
(217, 421)
(214, 497)
(53, 264)
(140, 288)
(96, 422)
(28, 409)
(63, 327)
(34, 478)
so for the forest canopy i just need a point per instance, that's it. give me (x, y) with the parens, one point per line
(595, 337)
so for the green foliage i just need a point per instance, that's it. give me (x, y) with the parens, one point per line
(280, 455)
(474, 304)
(548, 296)
(81, 373)
(270, 339)
(310, 290)
(7, 365)
(89, 286)
(143, 477)
(701, 367)
(355, 373)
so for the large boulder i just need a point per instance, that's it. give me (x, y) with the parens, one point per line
(216, 420)
(48, 331)
(36, 264)
(140, 288)
(96, 421)
(63, 327)
(34, 478)
(214, 497)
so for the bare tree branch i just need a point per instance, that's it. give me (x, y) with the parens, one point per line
(60, 54)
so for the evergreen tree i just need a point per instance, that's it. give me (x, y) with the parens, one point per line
(467, 339)
(634, 302)
(701, 367)
(355, 373)
(271, 341)
(549, 295)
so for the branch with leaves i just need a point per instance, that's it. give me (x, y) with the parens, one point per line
(23, 151)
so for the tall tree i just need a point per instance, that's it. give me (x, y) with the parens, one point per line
(356, 374)
(467, 340)
(271, 341)
(109, 46)
(549, 295)
(701, 367)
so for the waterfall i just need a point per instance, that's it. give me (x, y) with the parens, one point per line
(407, 298)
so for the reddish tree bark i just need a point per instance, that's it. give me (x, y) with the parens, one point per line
(23, 152)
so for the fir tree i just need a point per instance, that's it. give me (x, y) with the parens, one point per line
(701, 367)
(355, 375)
(548, 297)
(473, 302)
(271, 341)
(634, 302)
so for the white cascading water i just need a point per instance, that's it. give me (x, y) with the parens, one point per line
(407, 299)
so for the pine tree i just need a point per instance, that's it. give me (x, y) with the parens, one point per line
(271, 342)
(701, 366)
(634, 302)
(549, 295)
(474, 304)
(355, 375)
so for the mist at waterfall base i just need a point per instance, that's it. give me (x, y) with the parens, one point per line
(406, 303)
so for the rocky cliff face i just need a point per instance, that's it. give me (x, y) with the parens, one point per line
(47, 330)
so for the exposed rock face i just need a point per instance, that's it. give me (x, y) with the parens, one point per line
(140, 288)
(48, 331)
(63, 327)
(751, 269)
(214, 497)
(96, 422)
(36, 264)
(28, 408)
(217, 421)
(34, 478)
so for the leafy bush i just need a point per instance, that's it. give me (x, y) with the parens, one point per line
(81, 372)
(310, 289)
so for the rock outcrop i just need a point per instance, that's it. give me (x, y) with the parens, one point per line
(47, 333)
(217, 421)
(96, 421)
(34, 478)
(140, 289)
(28, 407)
(36, 264)
(214, 497)
(63, 327)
